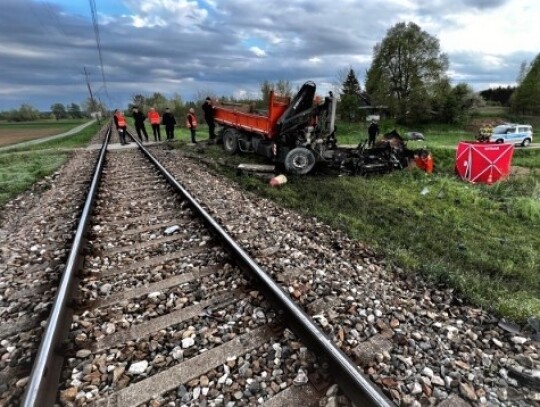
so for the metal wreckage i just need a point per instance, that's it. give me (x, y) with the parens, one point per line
(298, 134)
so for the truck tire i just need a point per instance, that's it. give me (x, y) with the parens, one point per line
(230, 141)
(299, 161)
(526, 142)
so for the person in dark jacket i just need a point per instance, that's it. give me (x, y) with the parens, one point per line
(139, 119)
(373, 132)
(168, 121)
(208, 110)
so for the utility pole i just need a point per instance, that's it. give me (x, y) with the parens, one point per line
(101, 110)
(91, 95)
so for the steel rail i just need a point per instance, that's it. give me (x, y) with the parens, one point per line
(43, 383)
(354, 383)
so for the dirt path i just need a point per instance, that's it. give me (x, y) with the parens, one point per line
(48, 138)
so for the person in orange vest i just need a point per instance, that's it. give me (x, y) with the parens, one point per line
(155, 119)
(120, 122)
(191, 124)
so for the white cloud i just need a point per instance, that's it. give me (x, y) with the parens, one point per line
(497, 31)
(246, 94)
(150, 22)
(184, 13)
(258, 52)
(362, 59)
(315, 60)
(22, 51)
(493, 61)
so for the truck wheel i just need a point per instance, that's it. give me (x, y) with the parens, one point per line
(299, 161)
(230, 141)
(526, 142)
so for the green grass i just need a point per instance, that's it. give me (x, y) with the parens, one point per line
(437, 135)
(181, 132)
(43, 124)
(481, 240)
(19, 171)
(492, 111)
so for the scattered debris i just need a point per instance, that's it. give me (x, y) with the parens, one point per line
(414, 135)
(301, 378)
(171, 229)
(279, 180)
(509, 326)
(258, 168)
(535, 325)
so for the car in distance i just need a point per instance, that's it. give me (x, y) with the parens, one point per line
(512, 133)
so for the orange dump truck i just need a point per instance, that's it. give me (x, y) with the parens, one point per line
(253, 122)
(296, 133)
(299, 133)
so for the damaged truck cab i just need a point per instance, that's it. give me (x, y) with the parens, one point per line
(296, 133)
(299, 133)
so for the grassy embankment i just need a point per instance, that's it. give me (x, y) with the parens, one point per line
(481, 240)
(20, 168)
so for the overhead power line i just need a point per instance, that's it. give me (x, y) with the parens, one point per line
(54, 16)
(93, 10)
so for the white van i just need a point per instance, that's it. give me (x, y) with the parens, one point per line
(512, 133)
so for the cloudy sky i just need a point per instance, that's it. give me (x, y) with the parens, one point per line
(228, 47)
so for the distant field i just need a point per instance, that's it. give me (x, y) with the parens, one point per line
(20, 167)
(12, 133)
(493, 111)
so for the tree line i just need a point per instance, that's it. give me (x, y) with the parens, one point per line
(58, 111)
(526, 98)
(407, 80)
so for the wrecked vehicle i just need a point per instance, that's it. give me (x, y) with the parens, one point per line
(299, 133)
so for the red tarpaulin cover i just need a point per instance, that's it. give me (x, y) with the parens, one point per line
(483, 162)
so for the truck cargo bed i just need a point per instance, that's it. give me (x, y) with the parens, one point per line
(252, 122)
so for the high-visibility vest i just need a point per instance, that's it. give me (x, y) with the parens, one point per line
(193, 120)
(121, 120)
(153, 117)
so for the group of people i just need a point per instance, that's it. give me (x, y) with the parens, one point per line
(168, 120)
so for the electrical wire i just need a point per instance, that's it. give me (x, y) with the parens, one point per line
(93, 10)
(54, 17)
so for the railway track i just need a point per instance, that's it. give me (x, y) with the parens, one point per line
(35, 234)
(165, 308)
(420, 343)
